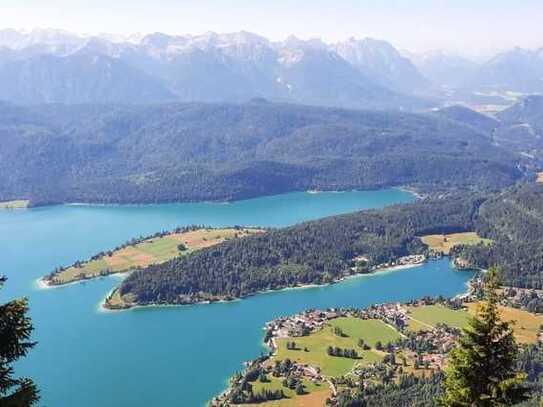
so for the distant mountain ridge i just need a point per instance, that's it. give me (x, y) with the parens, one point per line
(236, 67)
(381, 60)
(209, 68)
(79, 79)
(444, 68)
(518, 70)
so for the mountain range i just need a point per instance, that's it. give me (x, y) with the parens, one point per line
(53, 66)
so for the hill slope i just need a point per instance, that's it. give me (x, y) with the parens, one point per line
(181, 152)
(521, 127)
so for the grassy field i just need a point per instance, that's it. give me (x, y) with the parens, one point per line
(19, 204)
(444, 243)
(150, 251)
(316, 394)
(526, 325)
(370, 330)
(428, 316)
(317, 343)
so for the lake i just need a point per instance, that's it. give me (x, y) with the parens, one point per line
(169, 356)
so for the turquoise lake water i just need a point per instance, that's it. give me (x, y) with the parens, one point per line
(169, 356)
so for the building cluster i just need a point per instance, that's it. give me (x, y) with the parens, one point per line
(393, 314)
(411, 260)
(442, 338)
(301, 324)
(306, 322)
(523, 298)
(434, 361)
(528, 299)
(361, 263)
(300, 371)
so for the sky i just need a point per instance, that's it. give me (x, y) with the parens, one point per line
(464, 26)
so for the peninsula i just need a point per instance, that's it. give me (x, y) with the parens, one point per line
(390, 351)
(145, 251)
(476, 230)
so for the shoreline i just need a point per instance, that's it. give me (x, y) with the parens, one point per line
(382, 270)
(42, 284)
(218, 201)
(413, 191)
(51, 280)
(102, 303)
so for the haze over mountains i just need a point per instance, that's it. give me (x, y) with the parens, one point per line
(50, 66)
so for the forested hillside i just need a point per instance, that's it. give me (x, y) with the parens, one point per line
(514, 220)
(522, 127)
(183, 152)
(323, 251)
(314, 252)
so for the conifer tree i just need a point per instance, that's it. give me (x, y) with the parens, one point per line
(481, 370)
(15, 330)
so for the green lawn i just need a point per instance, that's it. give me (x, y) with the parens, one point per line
(370, 330)
(428, 316)
(317, 343)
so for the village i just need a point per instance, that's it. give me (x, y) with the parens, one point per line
(361, 263)
(398, 339)
(394, 317)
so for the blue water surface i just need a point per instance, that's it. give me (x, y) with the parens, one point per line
(169, 356)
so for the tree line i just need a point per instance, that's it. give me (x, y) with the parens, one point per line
(314, 252)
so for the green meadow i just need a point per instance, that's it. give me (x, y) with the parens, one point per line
(370, 331)
(428, 316)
